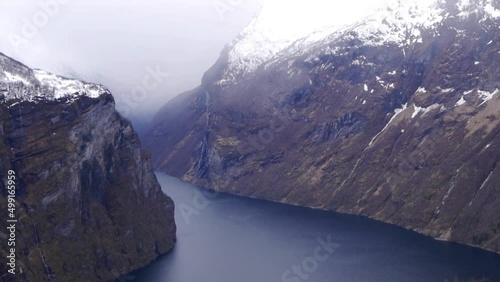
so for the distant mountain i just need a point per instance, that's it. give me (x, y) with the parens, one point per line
(88, 205)
(395, 117)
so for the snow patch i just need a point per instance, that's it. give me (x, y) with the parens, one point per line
(424, 111)
(447, 90)
(468, 92)
(396, 113)
(357, 62)
(491, 11)
(448, 193)
(400, 25)
(64, 87)
(460, 102)
(416, 111)
(482, 187)
(486, 96)
(421, 90)
(13, 78)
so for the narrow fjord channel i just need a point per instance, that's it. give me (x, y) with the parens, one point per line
(235, 239)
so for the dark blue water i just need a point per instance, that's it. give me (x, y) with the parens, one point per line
(224, 238)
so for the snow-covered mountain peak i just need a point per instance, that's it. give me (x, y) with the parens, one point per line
(280, 23)
(18, 82)
(64, 87)
(401, 22)
(291, 27)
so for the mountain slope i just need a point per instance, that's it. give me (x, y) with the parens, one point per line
(395, 117)
(88, 205)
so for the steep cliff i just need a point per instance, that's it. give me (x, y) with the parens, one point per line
(87, 203)
(395, 117)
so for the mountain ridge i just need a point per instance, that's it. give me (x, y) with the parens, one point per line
(388, 130)
(390, 23)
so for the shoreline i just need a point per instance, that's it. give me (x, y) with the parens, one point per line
(340, 213)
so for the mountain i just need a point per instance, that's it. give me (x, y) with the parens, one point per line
(87, 203)
(395, 117)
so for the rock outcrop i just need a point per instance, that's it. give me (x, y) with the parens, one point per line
(88, 205)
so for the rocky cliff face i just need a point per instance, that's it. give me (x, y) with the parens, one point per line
(88, 205)
(396, 117)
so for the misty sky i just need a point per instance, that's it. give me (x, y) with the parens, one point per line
(118, 42)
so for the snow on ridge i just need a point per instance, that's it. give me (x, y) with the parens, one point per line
(293, 27)
(446, 90)
(421, 90)
(396, 114)
(64, 87)
(283, 24)
(41, 85)
(13, 78)
(290, 26)
(491, 11)
(467, 7)
(424, 111)
(392, 25)
(461, 102)
(486, 96)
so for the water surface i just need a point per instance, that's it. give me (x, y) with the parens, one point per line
(224, 238)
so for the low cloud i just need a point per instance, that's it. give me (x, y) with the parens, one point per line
(116, 42)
